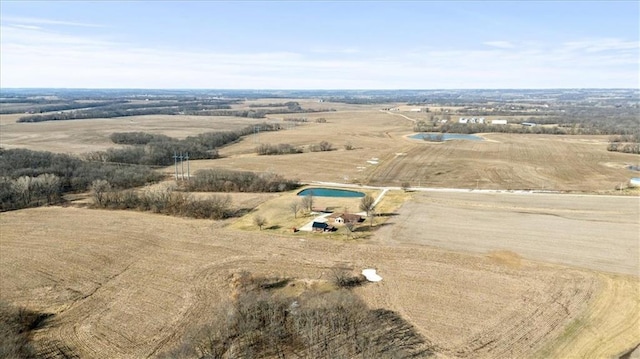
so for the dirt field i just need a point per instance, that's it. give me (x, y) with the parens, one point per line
(127, 284)
(80, 136)
(596, 232)
(382, 155)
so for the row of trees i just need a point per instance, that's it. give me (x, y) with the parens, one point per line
(219, 180)
(40, 107)
(26, 191)
(624, 147)
(628, 143)
(267, 149)
(124, 108)
(565, 126)
(367, 205)
(290, 105)
(158, 150)
(164, 201)
(279, 149)
(31, 178)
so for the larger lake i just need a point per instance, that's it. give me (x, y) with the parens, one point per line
(330, 192)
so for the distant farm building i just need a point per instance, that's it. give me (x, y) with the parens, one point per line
(416, 110)
(528, 124)
(345, 218)
(634, 182)
(471, 120)
(498, 122)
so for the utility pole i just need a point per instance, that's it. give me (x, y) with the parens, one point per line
(188, 172)
(175, 163)
(182, 165)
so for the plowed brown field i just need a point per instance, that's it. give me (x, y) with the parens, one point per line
(127, 284)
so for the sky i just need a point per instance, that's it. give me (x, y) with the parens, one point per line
(319, 44)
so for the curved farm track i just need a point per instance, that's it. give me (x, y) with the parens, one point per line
(127, 284)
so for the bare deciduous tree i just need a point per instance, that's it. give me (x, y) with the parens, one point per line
(406, 186)
(307, 202)
(259, 221)
(366, 205)
(49, 186)
(99, 188)
(295, 208)
(23, 186)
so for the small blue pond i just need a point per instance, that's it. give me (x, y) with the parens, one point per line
(330, 192)
(447, 136)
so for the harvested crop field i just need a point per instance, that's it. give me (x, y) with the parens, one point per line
(81, 136)
(510, 161)
(595, 232)
(381, 153)
(127, 284)
(383, 156)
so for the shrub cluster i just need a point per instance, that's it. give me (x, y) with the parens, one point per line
(164, 201)
(629, 143)
(322, 146)
(343, 278)
(218, 180)
(136, 138)
(16, 325)
(280, 149)
(260, 323)
(624, 147)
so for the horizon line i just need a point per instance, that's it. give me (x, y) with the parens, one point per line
(317, 89)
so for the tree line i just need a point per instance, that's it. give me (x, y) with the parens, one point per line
(161, 200)
(47, 106)
(158, 150)
(219, 180)
(561, 129)
(267, 149)
(31, 178)
(124, 108)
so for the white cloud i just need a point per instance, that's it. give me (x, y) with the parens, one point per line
(34, 57)
(329, 50)
(500, 44)
(40, 21)
(598, 45)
